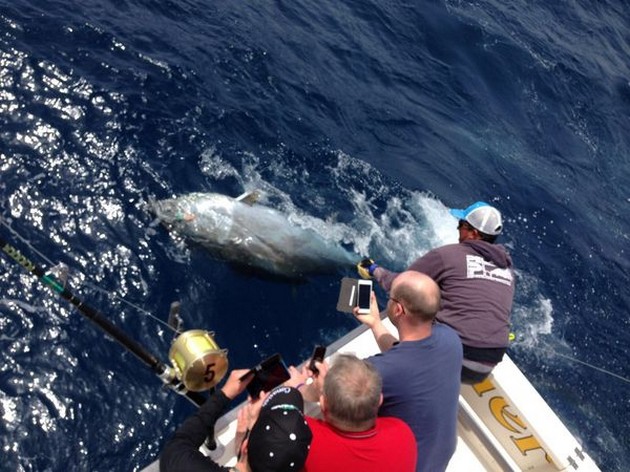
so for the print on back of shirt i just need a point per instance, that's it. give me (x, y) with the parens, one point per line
(478, 268)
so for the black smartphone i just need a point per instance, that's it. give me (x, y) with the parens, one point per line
(267, 375)
(318, 356)
(364, 294)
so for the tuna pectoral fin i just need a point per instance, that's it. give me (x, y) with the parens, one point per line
(249, 198)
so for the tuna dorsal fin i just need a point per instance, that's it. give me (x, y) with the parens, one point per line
(249, 198)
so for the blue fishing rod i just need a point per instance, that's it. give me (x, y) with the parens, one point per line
(193, 371)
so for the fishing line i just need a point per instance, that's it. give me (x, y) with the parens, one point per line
(87, 283)
(26, 242)
(126, 302)
(551, 349)
(612, 374)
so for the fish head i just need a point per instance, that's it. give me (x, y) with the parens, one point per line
(204, 217)
(171, 211)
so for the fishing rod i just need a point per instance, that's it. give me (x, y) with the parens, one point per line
(198, 363)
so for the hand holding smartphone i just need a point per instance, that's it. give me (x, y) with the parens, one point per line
(364, 296)
(267, 375)
(318, 356)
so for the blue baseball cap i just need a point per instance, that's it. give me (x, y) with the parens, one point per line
(482, 217)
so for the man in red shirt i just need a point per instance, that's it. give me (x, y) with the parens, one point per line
(351, 437)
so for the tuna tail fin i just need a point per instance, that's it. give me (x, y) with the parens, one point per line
(249, 198)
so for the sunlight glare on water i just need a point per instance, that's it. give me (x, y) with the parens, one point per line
(365, 127)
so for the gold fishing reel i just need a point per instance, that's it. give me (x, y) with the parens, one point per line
(198, 361)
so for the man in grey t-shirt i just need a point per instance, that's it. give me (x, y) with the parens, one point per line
(476, 279)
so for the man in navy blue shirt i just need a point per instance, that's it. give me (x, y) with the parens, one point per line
(421, 371)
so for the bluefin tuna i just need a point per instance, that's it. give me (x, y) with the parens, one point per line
(250, 235)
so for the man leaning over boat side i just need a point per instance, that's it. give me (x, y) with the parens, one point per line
(351, 436)
(421, 371)
(278, 436)
(476, 278)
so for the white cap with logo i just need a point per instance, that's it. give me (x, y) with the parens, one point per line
(482, 217)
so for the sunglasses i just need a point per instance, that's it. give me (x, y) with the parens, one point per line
(464, 224)
(402, 307)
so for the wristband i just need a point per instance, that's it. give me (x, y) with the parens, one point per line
(372, 268)
(307, 382)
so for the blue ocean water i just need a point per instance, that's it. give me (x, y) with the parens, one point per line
(364, 121)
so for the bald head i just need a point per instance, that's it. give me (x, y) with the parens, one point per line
(418, 293)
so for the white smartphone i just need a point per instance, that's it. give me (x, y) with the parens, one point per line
(364, 293)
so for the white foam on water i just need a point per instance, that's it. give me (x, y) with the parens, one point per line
(441, 223)
(392, 225)
(532, 314)
(213, 165)
(530, 322)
